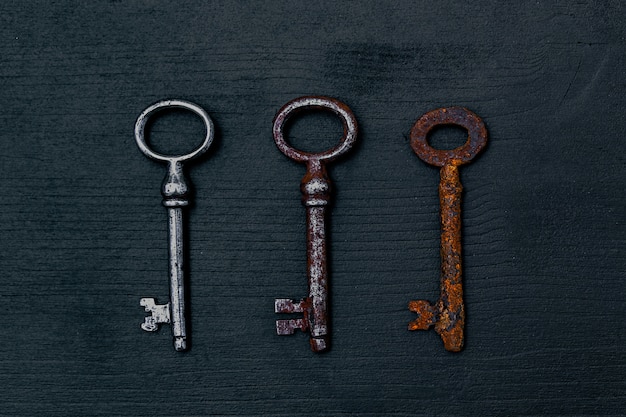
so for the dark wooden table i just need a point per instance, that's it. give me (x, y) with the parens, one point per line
(84, 236)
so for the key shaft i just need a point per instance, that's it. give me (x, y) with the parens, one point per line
(316, 191)
(448, 314)
(177, 278)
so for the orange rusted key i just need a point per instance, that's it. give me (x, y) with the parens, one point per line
(448, 314)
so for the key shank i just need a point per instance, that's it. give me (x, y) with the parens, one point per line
(175, 197)
(177, 285)
(315, 197)
(316, 190)
(448, 314)
(451, 309)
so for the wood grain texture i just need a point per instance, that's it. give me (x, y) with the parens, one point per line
(84, 236)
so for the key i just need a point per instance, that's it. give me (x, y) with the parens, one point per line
(175, 197)
(316, 192)
(448, 314)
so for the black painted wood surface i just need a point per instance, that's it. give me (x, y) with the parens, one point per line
(84, 236)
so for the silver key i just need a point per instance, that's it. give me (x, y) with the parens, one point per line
(175, 198)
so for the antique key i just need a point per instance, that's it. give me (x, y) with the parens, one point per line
(175, 196)
(448, 314)
(316, 190)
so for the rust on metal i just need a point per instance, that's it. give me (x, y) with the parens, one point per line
(447, 315)
(316, 193)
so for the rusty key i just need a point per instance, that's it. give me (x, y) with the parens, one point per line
(448, 314)
(316, 190)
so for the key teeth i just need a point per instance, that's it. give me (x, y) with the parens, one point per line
(427, 315)
(159, 314)
(149, 324)
(287, 305)
(287, 327)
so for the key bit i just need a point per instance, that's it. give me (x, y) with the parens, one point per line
(316, 192)
(175, 197)
(287, 306)
(447, 315)
(160, 314)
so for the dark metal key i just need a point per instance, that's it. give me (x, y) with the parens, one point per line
(448, 314)
(316, 190)
(175, 197)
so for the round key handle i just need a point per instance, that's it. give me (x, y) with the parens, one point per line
(456, 116)
(143, 118)
(301, 104)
